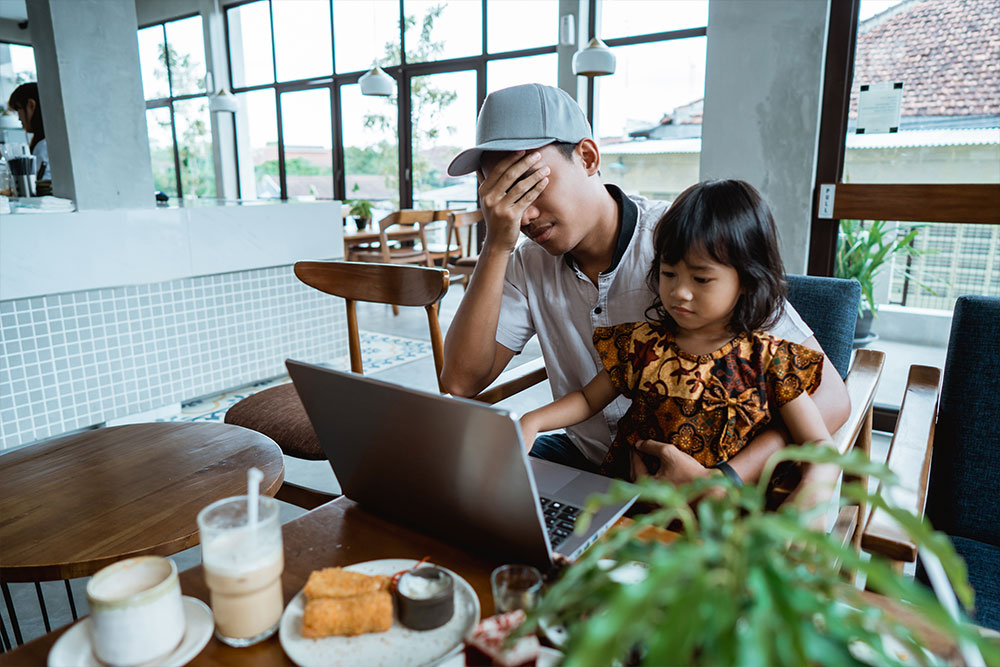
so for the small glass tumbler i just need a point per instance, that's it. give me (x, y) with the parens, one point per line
(515, 587)
(243, 566)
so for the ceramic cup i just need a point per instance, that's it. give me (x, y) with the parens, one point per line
(136, 613)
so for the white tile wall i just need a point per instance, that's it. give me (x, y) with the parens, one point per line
(69, 361)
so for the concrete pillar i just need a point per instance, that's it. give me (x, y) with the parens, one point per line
(565, 79)
(223, 129)
(763, 90)
(90, 90)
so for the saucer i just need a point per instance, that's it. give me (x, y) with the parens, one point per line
(73, 649)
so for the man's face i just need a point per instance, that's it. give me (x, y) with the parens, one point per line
(554, 220)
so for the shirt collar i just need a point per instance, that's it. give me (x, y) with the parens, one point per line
(628, 216)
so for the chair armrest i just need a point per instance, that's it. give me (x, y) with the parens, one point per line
(514, 381)
(910, 458)
(861, 381)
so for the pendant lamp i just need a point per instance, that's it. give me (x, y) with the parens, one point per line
(376, 82)
(594, 60)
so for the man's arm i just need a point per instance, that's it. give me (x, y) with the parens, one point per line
(472, 356)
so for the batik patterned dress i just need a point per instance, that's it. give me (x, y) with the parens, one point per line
(708, 405)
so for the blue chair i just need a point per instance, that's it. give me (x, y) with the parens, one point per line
(954, 463)
(830, 307)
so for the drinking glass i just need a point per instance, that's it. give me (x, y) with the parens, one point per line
(243, 564)
(515, 587)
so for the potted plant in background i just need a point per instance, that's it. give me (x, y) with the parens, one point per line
(862, 252)
(361, 209)
(741, 585)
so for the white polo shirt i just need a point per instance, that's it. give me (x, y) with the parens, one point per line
(551, 297)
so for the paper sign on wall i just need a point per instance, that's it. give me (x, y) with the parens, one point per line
(878, 107)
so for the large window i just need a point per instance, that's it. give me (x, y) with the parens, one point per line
(936, 170)
(304, 130)
(17, 66)
(172, 61)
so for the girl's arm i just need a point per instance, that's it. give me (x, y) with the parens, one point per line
(805, 422)
(570, 409)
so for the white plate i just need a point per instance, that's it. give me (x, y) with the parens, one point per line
(396, 646)
(73, 649)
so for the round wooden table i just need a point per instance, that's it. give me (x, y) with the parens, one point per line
(74, 504)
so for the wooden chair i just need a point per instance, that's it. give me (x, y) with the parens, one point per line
(464, 263)
(402, 239)
(829, 306)
(278, 413)
(946, 452)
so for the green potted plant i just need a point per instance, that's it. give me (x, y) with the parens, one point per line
(361, 209)
(742, 585)
(863, 249)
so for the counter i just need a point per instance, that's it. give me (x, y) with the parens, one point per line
(108, 314)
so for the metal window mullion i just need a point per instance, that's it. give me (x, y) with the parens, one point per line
(282, 180)
(177, 152)
(336, 128)
(274, 49)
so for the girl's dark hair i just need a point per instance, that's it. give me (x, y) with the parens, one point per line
(729, 220)
(19, 101)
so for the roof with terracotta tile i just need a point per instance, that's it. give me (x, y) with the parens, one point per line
(946, 53)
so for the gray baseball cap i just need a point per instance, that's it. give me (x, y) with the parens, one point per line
(521, 118)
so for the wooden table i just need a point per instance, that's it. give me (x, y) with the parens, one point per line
(74, 504)
(341, 533)
(337, 533)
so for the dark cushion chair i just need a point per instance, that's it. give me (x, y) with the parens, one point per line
(965, 465)
(830, 307)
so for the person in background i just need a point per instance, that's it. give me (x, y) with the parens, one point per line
(584, 267)
(24, 100)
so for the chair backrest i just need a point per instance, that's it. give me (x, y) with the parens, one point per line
(830, 307)
(418, 218)
(396, 284)
(965, 468)
(459, 220)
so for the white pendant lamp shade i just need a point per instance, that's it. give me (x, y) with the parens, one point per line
(223, 102)
(376, 82)
(595, 60)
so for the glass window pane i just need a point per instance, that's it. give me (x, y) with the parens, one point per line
(444, 123)
(508, 31)
(950, 106)
(365, 31)
(194, 143)
(302, 39)
(250, 55)
(651, 140)
(152, 62)
(624, 18)
(305, 126)
(258, 138)
(186, 45)
(515, 71)
(371, 147)
(22, 61)
(438, 30)
(161, 150)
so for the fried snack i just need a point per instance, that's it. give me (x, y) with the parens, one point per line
(336, 582)
(348, 616)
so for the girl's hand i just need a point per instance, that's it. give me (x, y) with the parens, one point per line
(676, 467)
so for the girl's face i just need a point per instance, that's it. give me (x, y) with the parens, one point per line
(699, 293)
(24, 115)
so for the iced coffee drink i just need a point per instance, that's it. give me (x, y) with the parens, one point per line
(243, 564)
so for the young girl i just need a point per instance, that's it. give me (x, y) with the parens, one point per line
(702, 374)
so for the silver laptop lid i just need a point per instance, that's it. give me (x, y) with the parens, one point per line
(452, 466)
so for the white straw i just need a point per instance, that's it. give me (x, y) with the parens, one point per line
(254, 478)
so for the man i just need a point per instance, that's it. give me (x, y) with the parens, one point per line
(583, 267)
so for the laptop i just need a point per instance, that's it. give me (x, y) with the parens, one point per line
(453, 467)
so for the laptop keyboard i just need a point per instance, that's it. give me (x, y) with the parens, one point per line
(559, 519)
